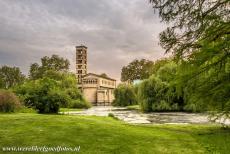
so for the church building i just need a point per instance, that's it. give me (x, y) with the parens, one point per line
(97, 89)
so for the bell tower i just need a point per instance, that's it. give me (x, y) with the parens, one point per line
(81, 62)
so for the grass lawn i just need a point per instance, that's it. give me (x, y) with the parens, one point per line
(106, 135)
(133, 107)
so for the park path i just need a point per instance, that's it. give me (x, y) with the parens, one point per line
(135, 117)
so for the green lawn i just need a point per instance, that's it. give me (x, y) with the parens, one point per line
(133, 107)
(106, 135)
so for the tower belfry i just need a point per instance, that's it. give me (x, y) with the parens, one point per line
(81, 62)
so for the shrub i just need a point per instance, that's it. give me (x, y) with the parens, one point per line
(25, 109)
(112, 116)
(79, 104)
(161, 106)
(74, 93)
(192, 107)
(42, 94)
(175, 107)
(48, 94)
(9, 102)
(124, 96)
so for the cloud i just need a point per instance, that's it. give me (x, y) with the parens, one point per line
(115, 32)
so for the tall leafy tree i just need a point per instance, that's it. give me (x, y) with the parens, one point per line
(124, 95)
(10, 76)
(104, 75)
(192, 21)
(54, 63)
(158, 64)
(137, 69)
(199, 39)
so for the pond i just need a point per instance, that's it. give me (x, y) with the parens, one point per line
(135, 117)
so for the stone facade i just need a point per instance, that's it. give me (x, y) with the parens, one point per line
(96, 89)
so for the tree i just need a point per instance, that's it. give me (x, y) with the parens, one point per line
(151, 92)
(137, 69)
(158, 64)
(124, 95)
(167, 72)
(35, 71)
(104, 75)
(54, 63)
(192, 21)
(9, 102)
(158, 92)
(54, 90)
(43, 94)
(10, 76)
(199, 39)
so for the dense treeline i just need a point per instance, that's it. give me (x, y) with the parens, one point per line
(168, 88)
(197, 78)
(10, 76)
(157, 92)
(199, 39)
(49, 86)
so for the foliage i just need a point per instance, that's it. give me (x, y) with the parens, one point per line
(124, 95)
(10, 76)
(137, 69)
(47, 94)
(158, 64)
(25, 109)
(54, 63)
(161, 106)
(42, 94)
(104, 75)
(9, 102)
(191, 22)
(151, 91)
(79, 104)
(199, 38)
(158, 93)
(167, 72)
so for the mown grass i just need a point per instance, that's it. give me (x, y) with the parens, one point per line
(106, 135)
(134, 107)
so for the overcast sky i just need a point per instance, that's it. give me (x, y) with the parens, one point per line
(115, 32)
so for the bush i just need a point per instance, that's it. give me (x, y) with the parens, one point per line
(9, 102)
(161, 106)
(78, 104)
(112, 116)
(76, 99)
(48, 94)
(192, 107)
(124, 96)
(25, 109)
(42, 94)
